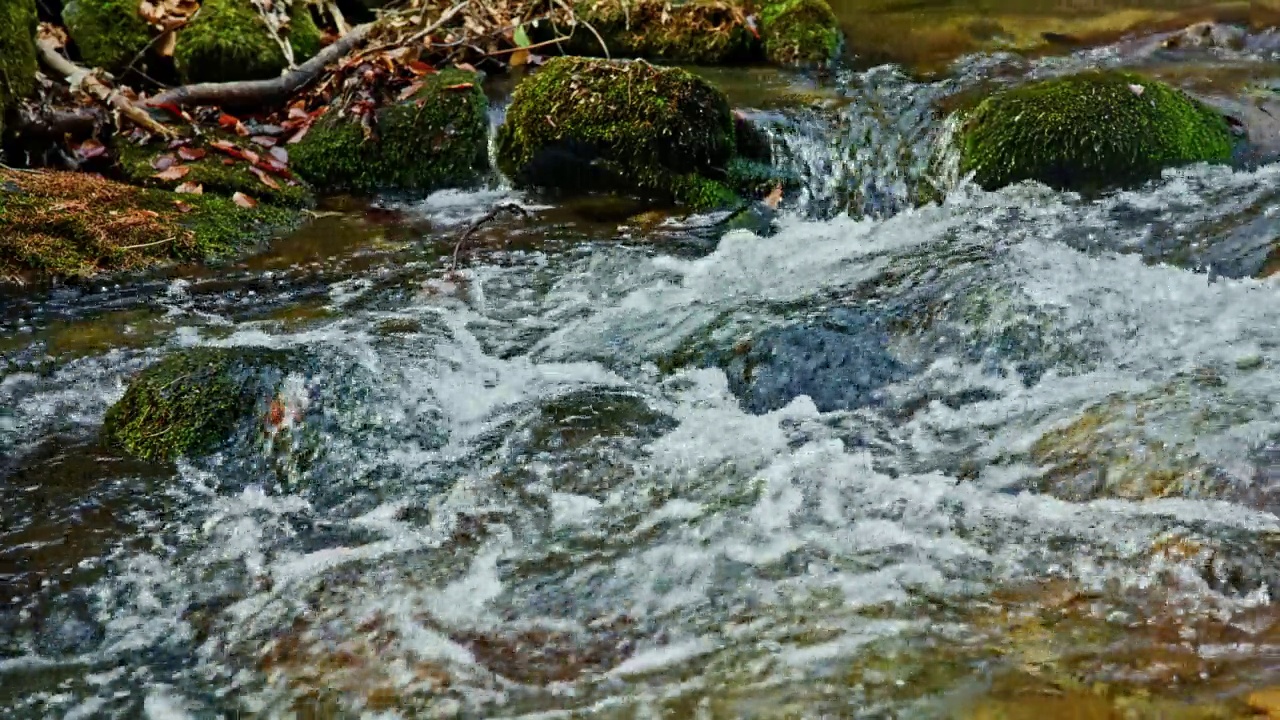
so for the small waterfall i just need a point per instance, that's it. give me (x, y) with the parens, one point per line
(873, 157)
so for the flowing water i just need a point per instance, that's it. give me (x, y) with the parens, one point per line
(1001, 455)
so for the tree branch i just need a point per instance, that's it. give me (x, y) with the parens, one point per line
(82, 79)
(53, 123)
(251, 92)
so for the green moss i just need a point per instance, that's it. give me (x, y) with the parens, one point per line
(108, 33)
(700, 193)
(57, 224)
(192, 401)
(655, 129)
(1088, 132)
(800, 32)
(706, 32)
(756, 179)
(228, 41)
(17, 53)
(134, 162)
(438, 138)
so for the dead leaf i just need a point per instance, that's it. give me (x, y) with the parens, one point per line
(263, 140)
(279, 154)
(519, 58)
(466, 66)
(244, 201)
(265, 178)
(774, 197)
(163, 162)
(177, 172)
(167, 44)
(297, 137)
(90, 148)
(190, 188)
(410, 91)
(182, 207)
(190, 153)
(460, 86)
(417, 67)
(251, 156)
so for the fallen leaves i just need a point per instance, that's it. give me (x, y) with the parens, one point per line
(191, 154)
(90, 149)
(176, 172)
(244, 201)
(190, 188)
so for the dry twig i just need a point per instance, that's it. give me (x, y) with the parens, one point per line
(487, 218)
(82, 79)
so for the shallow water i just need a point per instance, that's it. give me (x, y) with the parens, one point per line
(1004, 454)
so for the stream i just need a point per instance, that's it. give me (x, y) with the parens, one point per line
(1010, 454)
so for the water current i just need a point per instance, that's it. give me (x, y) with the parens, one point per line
(1002, 452)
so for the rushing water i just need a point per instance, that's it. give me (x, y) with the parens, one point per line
(1011, 452)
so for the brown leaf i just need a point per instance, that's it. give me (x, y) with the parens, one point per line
(167, 44)
(52, 34)
(410, 91)
(417, 67)
(297, 137)
(263, 140)
(460, 86)
(775, 197)
(163, 162)
(519, 58)
(265, 178)
(228, 122)
(466, 66)
(190, 188)
(190, 153)
(177, 172)
(251, 156)
(228, 161)
(244, 201)
(182, 207)
(90, 148)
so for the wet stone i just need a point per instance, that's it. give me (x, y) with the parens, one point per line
(839, 360)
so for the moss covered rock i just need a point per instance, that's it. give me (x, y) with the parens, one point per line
(584, 124)
(137, 164)
(1088, 132)
(59, 224)
(800, 32)
(108, 33)
(437, 138)
(17, 53)
(229, 41)
(706, 32)
(192, 401)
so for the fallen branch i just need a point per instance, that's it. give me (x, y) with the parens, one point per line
(80, 78)
(487, 218)
(47, 122)
(439, 23)
(252, 92)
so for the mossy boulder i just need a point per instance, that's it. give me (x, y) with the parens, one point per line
(191, 402)
(1089, 132)
(800, 32)
(705, 32)
(437, 138)
(626, 126)
(17, 53)
(62, 224)
(228, 41)
(215, 172)
(109, 34)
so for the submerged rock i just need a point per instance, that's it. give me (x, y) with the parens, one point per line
(192, 401)
(1145, 446)
(800, 32)
(582, 125)
(436, 139)
(17, 53)
(60, 224)
(109, 34)
(229, 41)
(1089, 132)
(840, 361)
